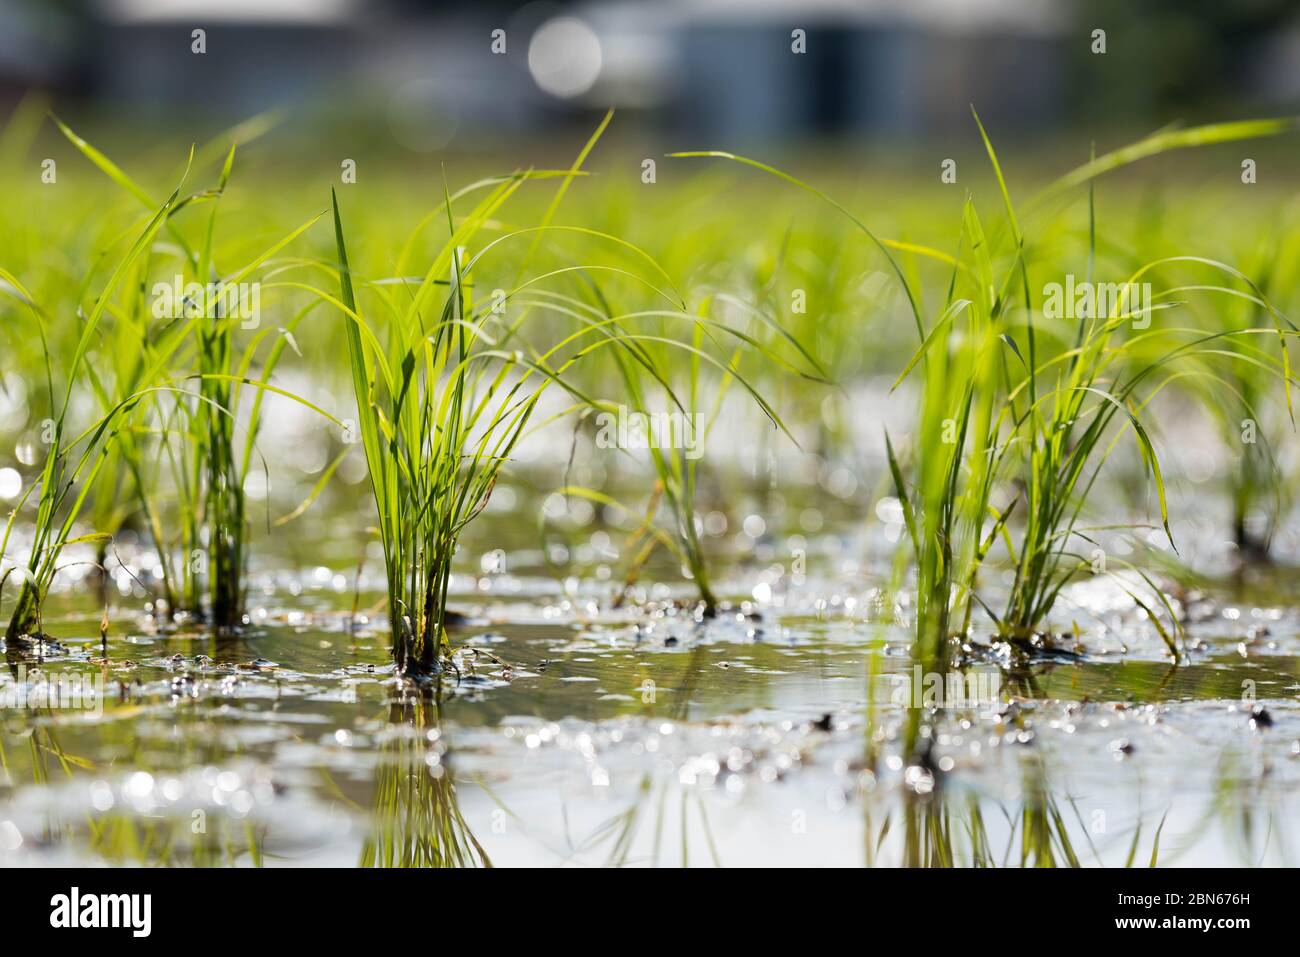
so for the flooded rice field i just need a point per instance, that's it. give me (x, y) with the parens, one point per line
(551, 519)
(568, 731)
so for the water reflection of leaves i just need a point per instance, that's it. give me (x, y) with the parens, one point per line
(416, 816)
(947, 828)
(125, 836)
(620, 832)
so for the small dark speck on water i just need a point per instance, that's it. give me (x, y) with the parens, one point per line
(824, 723)
(1260, 718)
(184, 686)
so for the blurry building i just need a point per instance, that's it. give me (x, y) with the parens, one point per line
(256, 53)
(38, 47)
(766, 68)
(725, 70)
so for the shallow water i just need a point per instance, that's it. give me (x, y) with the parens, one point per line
(572, 733)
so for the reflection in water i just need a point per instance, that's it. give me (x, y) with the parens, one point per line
(651, 802)
(128, 839)
(1252, 816)
(141, 819)
(44, 756)
(416, 818)
(951, 826)
(956, 824)
(288, 746)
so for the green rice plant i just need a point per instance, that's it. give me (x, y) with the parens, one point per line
(679, 428)
(1239, 397)
(443, 403)
(440, 409)
(72, 460)
(1066, 397)
(435, 445)
(202, 443)
(1064, 412)
(675, 370)
(1078, 402)
(1020, 415)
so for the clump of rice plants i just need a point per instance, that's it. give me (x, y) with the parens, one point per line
(440, 409)
(1019, 415)
(676, 367)
(1065, 409)
(673, 431)
(444, 402)
(182, 331)
(72, 460)
(1067, 395)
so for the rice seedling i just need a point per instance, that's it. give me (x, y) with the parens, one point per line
(72, 460)
(1240, 400)
(1065, 415)
(1019, 415)
(180, 329)
(676, 367)
(440, 409)
(674, 432)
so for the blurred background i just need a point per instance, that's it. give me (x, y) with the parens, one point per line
(869, 99)
(435, 76)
